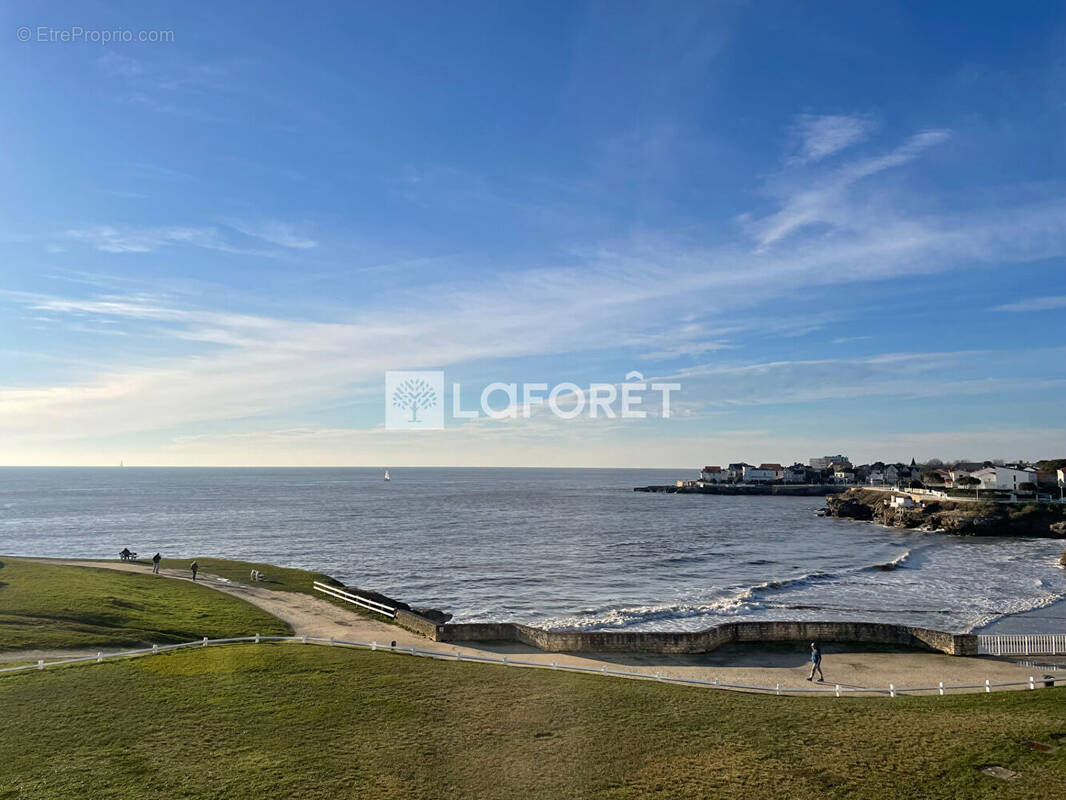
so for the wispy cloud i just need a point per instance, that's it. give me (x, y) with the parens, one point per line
(115, 239)
(634, 295)
(824, 201)
(280, 233)
(131, 239)
(822, 136)
(962, 373)
(1035, 304)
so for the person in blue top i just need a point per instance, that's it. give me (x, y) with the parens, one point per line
(816, 663)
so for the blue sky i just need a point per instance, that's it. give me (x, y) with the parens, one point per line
(840, 228)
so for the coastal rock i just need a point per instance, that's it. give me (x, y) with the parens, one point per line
(846, 507)
(969, 524)
(957, 517)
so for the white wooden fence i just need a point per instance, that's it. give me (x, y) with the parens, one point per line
(456, 655)
(363, 602)
(1035, 644)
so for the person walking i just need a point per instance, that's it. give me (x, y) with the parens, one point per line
(816, 663)
(155, 563)
(194, 566)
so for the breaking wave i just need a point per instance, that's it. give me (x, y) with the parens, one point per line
(740, 600)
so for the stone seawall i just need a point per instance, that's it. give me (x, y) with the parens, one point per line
(416, 622)
(703, 641)
(785, 489)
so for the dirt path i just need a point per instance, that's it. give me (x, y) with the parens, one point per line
(753, 665)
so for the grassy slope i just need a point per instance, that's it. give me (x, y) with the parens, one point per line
(49, 606)
(311, 722)
(281, 579)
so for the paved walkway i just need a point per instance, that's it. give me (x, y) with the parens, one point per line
(753, 665)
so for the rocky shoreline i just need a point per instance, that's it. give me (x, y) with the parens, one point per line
(1043, 520)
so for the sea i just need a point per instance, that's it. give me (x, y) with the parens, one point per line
(566, 549)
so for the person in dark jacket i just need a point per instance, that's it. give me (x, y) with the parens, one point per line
(194, 566)
(155, 563)
(816, 663)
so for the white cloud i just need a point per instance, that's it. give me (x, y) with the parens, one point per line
(822, 136)
(824, 202)
(633, 294)
(280, 233)
(127, 239)
(1035, 304)
(961, 373)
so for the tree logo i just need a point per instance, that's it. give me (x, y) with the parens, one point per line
(414, 394)
(414, 400)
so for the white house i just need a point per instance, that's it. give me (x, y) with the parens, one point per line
(956, 476)
(844, 476)
(758, 474)
(778, 470)
(902, 501)
(712, 475)
(876, 477)
(797, 473)
(1008, 478)
(735, 472)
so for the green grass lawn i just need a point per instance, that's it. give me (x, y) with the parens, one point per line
(292, 721)
(51, 606)
(282, 579)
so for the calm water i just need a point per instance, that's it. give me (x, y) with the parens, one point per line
(563, 548)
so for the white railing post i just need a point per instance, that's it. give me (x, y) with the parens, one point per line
(99, 657)
(257, 638)
(155, 649)
(988, 686)
(658, 676)
(458, 655)
(779, 688)
(555, 665)
(40, 663)
(892, 690)
(942, 687)
(374, 645)
(838, 690)
(304, 639)
(204, 644)
(1032, 683)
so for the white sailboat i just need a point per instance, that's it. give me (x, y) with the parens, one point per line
(387, 476)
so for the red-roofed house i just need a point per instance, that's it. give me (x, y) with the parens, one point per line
(713, 475)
